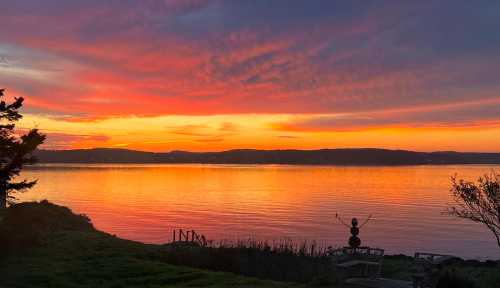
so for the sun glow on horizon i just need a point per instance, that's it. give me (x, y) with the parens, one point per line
(256, 131)
(219, 75)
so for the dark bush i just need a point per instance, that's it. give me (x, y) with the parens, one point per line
(491, 263)
(451, 279)
(281, 261)
(26, 224)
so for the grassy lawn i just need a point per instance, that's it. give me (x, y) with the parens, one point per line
(45, 245)
(48, 246)
(93, 259)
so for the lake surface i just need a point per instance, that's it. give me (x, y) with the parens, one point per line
(271, 202)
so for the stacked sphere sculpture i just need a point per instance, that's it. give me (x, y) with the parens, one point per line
(354, 241)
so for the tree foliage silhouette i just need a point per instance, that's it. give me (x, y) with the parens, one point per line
(479, 202)
(16, 150)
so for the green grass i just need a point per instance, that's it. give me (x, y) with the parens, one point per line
(93, 259)
(47, 246)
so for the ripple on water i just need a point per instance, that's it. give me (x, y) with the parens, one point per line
(145, 202)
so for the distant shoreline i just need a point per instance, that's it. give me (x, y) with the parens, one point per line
(326, 157)
(85, 165)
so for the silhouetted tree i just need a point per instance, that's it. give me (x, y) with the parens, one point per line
(479, 202)
(16, 150)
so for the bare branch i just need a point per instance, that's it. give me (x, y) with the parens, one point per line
(478, 202)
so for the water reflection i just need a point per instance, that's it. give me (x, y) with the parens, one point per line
(145, 202)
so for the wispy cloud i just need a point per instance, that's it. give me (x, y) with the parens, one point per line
(461, 115)
(86, 61)
(57, 140)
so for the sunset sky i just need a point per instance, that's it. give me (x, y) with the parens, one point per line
(214, 75)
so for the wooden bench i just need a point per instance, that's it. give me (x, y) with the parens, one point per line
(425, 266)
(368, 259)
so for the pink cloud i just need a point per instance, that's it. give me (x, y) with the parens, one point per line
(462, 115)
(155, 59)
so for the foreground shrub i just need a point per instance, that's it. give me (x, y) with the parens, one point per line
(281, 261)
(452, 279)
(26, 224)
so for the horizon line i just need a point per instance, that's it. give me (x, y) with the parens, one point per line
(277, 149)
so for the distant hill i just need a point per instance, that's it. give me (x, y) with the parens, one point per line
(365, 156)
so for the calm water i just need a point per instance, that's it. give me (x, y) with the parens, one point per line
(145, 202)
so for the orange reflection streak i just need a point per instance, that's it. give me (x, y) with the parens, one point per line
(145, 202)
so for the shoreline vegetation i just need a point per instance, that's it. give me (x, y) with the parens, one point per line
(354, 156)
(47, 245)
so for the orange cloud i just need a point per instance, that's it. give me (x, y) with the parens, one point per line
(305, 72)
